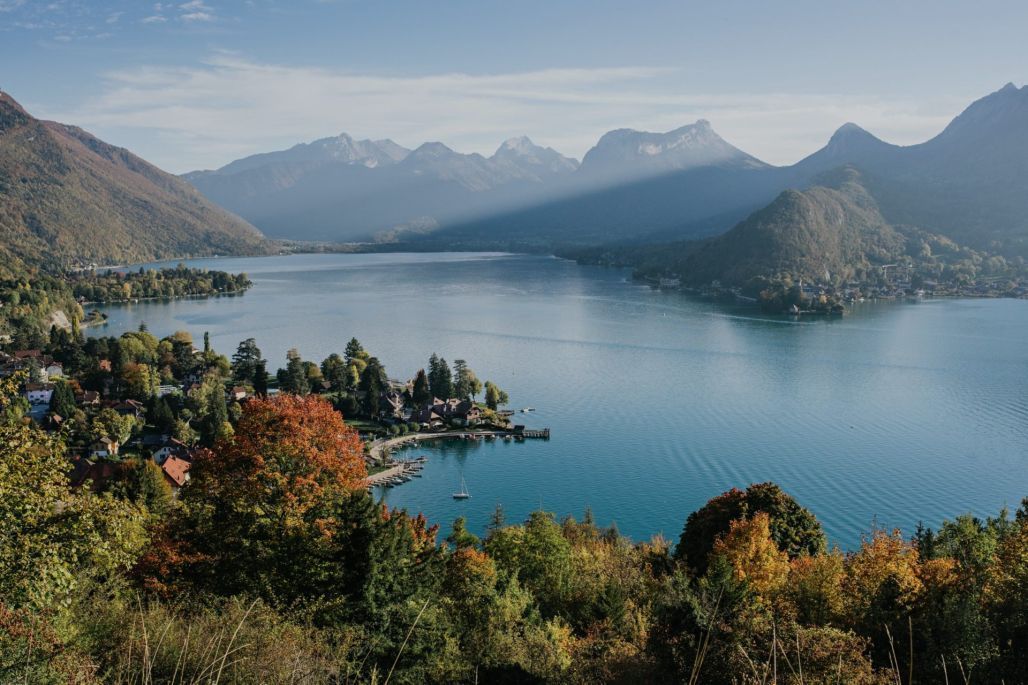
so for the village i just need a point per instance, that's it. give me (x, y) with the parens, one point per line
(121, 402)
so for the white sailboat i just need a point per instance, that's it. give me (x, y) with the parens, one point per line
(463, 494)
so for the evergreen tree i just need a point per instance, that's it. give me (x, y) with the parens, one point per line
(245, 361)
(62, 402)
(260, 379)
(440, 379)
(354, 351)
(420, 393)
(162, 417)
(373, 384)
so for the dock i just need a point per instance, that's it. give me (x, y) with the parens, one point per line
(379, 449)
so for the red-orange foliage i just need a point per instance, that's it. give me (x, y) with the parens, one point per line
(288, 452)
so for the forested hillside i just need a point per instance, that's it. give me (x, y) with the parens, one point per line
(70, 199)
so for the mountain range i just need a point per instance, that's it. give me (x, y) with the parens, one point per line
(341, 189)
(969, 183)
(69, 199)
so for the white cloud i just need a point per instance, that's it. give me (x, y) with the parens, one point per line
(196, 10)
(227, 107)
(10, 5)
(114, 17)
(153, 19)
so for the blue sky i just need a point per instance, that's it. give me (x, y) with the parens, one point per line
(197, 83)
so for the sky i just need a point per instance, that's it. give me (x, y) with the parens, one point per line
(197, 83)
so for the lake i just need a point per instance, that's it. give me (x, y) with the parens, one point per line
(896, 413)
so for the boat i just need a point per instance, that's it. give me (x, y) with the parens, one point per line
(463, 493)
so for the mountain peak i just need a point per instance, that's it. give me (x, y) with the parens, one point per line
(432, 149)
(849, 128)
(518, 144)
(1003, 113)
(629, 153)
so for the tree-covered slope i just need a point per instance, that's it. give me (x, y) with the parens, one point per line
(68, 198)
(834, 228)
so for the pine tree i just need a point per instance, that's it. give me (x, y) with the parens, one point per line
(62, 402)
(421, 394)
(260, 379)
(373, 384)
(440, 379)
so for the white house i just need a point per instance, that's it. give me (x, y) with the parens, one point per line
(39, 393)
(53, 370)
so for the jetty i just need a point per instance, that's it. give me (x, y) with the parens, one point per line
(379, 450)
(395, 471)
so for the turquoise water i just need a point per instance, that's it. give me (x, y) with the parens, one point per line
(897, 413)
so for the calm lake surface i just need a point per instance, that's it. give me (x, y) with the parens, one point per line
(898, 412)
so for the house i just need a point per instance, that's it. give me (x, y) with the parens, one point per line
(392, 404)
(176, 470)
(90, 398)
(133, 408)
(96, 473)
(237, 393)
(103, 447)
(28, 354)
(169, 448)
(461, 412)
(53, 370)
(39, 393)
(165, 390)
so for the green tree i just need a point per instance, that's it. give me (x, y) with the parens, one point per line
(333, 370)
(246, 361)
(373, 383)
(494, 397)
(62, 402)
(293, 379)
(421, 394)
(467, 385)
(793, 528)
(51, 537)
(260, 379)
(161, 415)
(148, 487)
(110, 424)
(440, 378)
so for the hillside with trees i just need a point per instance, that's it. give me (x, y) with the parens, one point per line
(69, 199)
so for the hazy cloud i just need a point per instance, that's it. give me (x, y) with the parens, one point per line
(196, 10)
(204, 116)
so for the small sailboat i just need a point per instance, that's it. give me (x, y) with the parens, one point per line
(463, 494)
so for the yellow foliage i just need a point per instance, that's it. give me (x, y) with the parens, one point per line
(815, 587)
(883, 557)
(754, 556)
